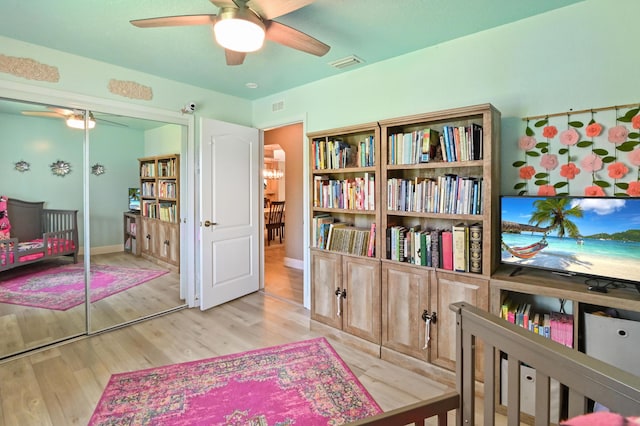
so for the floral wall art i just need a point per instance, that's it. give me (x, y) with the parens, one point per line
(583, 153)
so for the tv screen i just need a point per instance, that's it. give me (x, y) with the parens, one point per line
(591, 236)
(134, 200)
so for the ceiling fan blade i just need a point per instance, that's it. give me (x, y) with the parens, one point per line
(174, 21)
(223, 3)
(61, 111)
(233, 57)
(271, 9)
(295, 39)
(43, 114)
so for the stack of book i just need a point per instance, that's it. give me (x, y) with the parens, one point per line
(357, 193)
(552, 325)
(448, 194)
(337, 154)
(461, 143)
(342, 237)
(419, 146)
(458, 249)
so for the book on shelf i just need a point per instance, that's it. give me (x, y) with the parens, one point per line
(357, 193)
(556, 326)
(460, 247)
(350, 240)
(447, 250)
(419, 146)
(475, 248)
(462, 143)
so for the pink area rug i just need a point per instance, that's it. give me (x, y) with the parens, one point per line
(304, 383)
(61, 288)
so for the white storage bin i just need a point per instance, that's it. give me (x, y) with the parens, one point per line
(528, 391)
(614, 341)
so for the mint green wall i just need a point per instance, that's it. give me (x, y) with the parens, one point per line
(163, 140)
(42, 141)
(89, 77)
(578, 57)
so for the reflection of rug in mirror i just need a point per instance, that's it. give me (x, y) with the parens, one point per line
(61, 288)
(302, 383)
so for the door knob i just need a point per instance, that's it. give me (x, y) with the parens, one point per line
(208, 223)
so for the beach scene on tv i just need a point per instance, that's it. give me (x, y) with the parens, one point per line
(590, 236)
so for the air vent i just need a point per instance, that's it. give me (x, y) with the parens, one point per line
(346, 62)
(277, 106)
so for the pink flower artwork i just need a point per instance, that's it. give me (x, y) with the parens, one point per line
(569, 170)
(593, 130)
(634, 189)
(617, 170)
(593, 191)
(635, 122)
(549, 161)
(546, 190)
(569, 137)
(618, 134)
(527, 143)
(549, 131)
(634, 157)
(527, 172)
(591, 163)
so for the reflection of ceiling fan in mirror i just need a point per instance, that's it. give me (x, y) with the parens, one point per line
(73, 117)
(241, 26)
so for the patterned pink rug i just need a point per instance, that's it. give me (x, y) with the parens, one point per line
(304, 383)
(62, 287)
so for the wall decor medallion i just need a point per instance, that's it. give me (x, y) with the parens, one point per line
(98, 169)
(22, 166)
(60, 168)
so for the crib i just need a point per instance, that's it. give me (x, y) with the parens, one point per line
(35, 233)
(586, 378)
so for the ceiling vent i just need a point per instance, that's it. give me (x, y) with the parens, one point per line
(346, 62)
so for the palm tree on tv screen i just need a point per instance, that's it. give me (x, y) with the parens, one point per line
(556, 214)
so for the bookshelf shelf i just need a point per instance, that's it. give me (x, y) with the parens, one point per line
(160, 209)
(132, 228)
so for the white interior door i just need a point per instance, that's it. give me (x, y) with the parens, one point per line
(230, 201)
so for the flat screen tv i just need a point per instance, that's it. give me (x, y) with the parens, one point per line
(134, 200)
(596, 237)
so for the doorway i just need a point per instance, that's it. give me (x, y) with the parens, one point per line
(284, 181)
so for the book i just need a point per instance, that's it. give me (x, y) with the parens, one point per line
(435, 249)
(475, 248)
(460, 244)
(447, 250)
(371, 247)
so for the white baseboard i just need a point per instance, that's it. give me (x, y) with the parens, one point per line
(293, 263)
(103, 250)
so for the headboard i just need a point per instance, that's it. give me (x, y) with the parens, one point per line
(25, 218)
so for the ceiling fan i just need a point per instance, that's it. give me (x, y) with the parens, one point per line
(74, 118)
(242, 25)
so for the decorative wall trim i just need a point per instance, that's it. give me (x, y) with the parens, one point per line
(29, 69)
(130, 89)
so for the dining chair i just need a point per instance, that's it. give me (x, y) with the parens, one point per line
(275, 221)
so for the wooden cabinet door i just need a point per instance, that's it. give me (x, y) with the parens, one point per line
(148, 236)
(326, 278)
(447, 289)
(361, 304)
(405, 296)
(168, 242)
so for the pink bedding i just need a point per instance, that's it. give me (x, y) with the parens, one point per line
(54, 246)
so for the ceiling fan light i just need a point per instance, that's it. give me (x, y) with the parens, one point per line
(239, 30)
(76, 121)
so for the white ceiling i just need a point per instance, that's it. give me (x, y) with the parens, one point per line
(371, 29)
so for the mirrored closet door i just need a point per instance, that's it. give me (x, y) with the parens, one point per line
(48, 167)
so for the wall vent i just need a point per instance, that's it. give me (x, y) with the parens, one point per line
(277, 106)
(346, 62)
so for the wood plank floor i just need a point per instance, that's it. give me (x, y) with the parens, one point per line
(280, 280)
(62, 385)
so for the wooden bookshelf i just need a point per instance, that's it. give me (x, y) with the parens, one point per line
(406, 302)
(344, 239)
(160, 208)
(132, 228)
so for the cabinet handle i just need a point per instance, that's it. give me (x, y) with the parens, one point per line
(344, 293)
(148, 237)
(338, 294)
(428, 319)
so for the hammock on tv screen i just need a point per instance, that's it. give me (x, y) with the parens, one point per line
(526, 252)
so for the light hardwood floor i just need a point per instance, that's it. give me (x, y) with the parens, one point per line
(280, 280)
(62, 385)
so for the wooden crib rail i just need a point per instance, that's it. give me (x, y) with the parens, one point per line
(585, 377)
